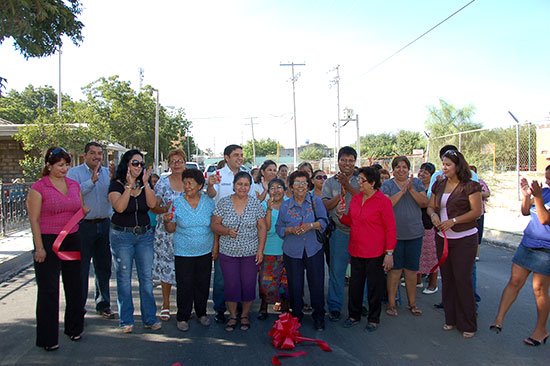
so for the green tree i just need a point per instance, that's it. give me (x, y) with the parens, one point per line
(263, 148)
(407, 141)
(24, 107)
(378, 145)
(446, 119)
(311, 153)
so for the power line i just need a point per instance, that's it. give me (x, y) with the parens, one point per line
(416, 39)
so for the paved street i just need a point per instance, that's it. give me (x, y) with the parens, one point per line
(403, 340)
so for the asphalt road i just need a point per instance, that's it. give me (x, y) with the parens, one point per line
(405, 340)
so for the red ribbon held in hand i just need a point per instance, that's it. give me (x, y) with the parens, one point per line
(445, 253)
(67, 256)
(286, 335)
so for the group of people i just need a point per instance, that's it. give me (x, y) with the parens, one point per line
(269, 230)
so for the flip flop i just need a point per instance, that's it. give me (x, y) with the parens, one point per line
(414, 310)
(448, 327)
(391, 311)
(164, 315)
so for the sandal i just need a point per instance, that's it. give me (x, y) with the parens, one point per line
(391, 311)
(414, 310)
(496, 328)
(245, 326)
(277, 307)
(164, 315)
(448, 327)
(468, 334)
(75, 338)
(51, 348)
(231, 325)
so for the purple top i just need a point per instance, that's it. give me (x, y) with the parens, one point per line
(57, 208)
(537, 235)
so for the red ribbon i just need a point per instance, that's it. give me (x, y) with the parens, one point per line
(286, 335)
(67, 256)
(445, 253)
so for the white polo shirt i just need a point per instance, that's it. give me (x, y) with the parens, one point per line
(225, 187)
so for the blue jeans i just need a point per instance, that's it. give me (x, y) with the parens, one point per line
(95, 245)
(339, 260)
(218, 288)
(127, 248)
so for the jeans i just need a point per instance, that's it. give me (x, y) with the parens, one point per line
(95, 245)
(127, 248)
(339, 260)
(218, 288)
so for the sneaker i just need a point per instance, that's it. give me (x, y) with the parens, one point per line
(183, 326)
(154, 326)
(334, 316)
(127, 328)
(204, 320)
(220, 317)
(427, 291)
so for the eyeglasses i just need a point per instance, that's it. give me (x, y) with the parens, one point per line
(276, 188)
(297, 184)
(174, 162)
(362, 180)
(347, 161)
(319, 177)
(137, 163)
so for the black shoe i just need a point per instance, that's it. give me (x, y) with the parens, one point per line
(220, 317)
(334, 316)
(349, 322)
(107, 313)
(262, 316)
(364, 311)
(439, 306)
(371, 327)
(319, 325)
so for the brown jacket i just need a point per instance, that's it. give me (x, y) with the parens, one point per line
(458, 202)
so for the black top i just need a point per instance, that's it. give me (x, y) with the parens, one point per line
(426, 220)
(136, 212)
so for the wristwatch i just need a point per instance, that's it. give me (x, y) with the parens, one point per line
(454, 220)
(389, 253)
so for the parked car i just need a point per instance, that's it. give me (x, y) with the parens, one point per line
(192, 165)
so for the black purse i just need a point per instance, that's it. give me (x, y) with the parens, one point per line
(323, 236)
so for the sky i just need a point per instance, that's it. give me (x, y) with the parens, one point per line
(220, 61)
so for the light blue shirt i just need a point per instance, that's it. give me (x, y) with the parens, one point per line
(273, 243)
(193, 235)
(95, 195)
(438, 173)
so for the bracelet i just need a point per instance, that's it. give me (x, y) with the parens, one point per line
(39, 249)
(432, 215)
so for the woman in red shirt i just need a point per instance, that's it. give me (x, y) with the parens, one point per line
(372, 240)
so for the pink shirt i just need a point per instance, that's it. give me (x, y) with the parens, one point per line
(57, 208)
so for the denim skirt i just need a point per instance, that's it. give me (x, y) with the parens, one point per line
(536, 260)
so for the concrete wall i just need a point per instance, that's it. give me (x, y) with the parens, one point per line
(10, 154)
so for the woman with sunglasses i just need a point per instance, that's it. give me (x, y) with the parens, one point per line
(51, 203)
(455, 205)
(319, 177)
(167, 189)
(132, 239)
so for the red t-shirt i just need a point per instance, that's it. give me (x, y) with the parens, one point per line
(372, 226)
(57, 208)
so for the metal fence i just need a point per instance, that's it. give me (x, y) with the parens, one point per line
(13, 210)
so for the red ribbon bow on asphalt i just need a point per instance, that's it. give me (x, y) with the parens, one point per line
(286, 335)
(67, 256)
(444, 255)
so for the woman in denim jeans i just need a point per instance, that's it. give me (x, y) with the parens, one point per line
(132, 239)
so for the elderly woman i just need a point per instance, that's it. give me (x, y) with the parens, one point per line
(455, 205)
(532, 255)
(372, 241)
(428, 255)
(240, 221)
(190, 219)
(408, 196)
(51, 203)
(272, 279)
(298, 219)
(167, 189)
(267, 172)
(132, 239)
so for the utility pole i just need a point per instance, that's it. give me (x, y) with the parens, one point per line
(348, 115)
(141, 72)
(517, 152)
(59, 89)
(253, 140)
(156, 168)
(294, 79)
(336, 81)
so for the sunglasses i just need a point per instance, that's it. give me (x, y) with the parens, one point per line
(321, 177)
(179, 161)
(451, 152)
(137, 163)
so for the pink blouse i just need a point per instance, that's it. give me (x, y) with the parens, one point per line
(57, 208)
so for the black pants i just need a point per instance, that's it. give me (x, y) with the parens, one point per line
(47, 303)
(193, 285)
(370, 269)
(315, 268)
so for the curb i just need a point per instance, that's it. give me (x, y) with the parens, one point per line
(502, 238)
(15, 265)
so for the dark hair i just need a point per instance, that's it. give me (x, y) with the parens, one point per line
(297, 174)
(305, 164)
(276, 181)
(399, 159)
(153, 175)
(317, 171)
(463, 172)
(429, 167)
(474, 168)
(220, 164)
(376, 166)
(194, 174)
(282, 166)
(446, 148)
(55, 155)
(242, 174)
(230, 148)
(383, 171)
(122, 168)
(91, 143)
(372, 175)
(547, 168)
(347, 150)
(263, 167)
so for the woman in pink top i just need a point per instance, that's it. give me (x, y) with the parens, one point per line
(372, 240)
(51, 202)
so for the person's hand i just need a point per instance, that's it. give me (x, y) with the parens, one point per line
(233, 233)
(269, 204)
(264, 184)
(440, 177)
(435, 219)
(340, 210)
(111, 170)
(213, 179)
(525, 189)
(129, 179)
(95, 173)
(344, 182)
(445, 225)
(259, 257)
(215, 253)
(388, 263)
(146, 175)
(410, 183)
(169, 216)
(40, 255)
(536, 189)
(85, 209)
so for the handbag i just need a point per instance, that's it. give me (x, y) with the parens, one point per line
(322, 236)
